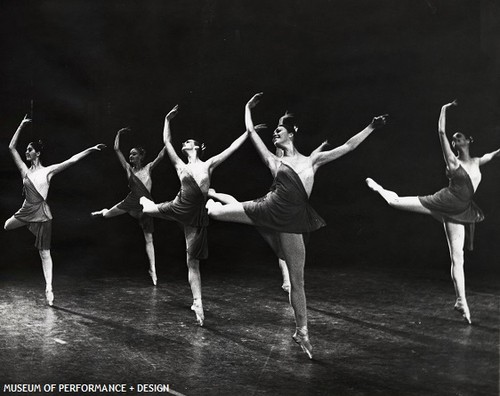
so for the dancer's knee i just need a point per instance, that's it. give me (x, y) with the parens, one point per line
(11, 223)
(192, 263)
(457, 259)
(44, 254)
(148, 237)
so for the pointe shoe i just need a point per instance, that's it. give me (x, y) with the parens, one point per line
(303, 340)
(286, 287)
(153, 276)
(463, 309)
(198, 310)
(96, 214)
(49, 296)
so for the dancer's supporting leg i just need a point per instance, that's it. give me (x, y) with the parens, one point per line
(455, 235)
(295, 257)
(286, 276)
(13, 223)
(294, 251)
(47, 273)
(150, 251)
(194, 275)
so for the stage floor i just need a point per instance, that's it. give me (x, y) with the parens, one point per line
(375, 331)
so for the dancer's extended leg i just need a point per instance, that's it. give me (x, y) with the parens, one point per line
(13, 223)
(232, 212)
(149, 207)
(411, 204)
(455, 235)
(107, 213)
(221, 197)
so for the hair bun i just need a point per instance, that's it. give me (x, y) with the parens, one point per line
(37, 145)
(288, 121)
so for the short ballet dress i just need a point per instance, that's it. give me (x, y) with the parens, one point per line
(284, 209)
(35, 212)
(454, 203)
(188, 209)
(131, 203)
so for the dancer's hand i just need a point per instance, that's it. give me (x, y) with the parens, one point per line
(260, 127)
(255, 100)
(98, 147)
(172, 113)
(454, 103)
(25, 120)
(123, 130)
(379, 121)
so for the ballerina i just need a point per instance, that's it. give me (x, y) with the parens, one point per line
(35, 213)
(284, 214)
(140, 183)
(188, 207)
(453, 205)
(227, 199)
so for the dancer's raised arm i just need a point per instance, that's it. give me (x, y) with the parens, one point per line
(267, 156)
(167, 138)
(158, 158)
(118, 152)
(56, 168)
(323, 157)
(449, 156)
(488, 157)
(218, 159)
(13, 144)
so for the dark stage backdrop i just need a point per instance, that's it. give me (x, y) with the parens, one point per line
(83, 69)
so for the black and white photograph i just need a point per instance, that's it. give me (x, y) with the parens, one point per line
(215, 197)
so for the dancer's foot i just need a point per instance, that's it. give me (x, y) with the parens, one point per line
(99, 213)
(286, 287)
(153, 276)
(373, 185)
(197, 307)
(463, 309)
(148, 206)
(211, 205)
(211, 193)
(301, 337)
(49, 296)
